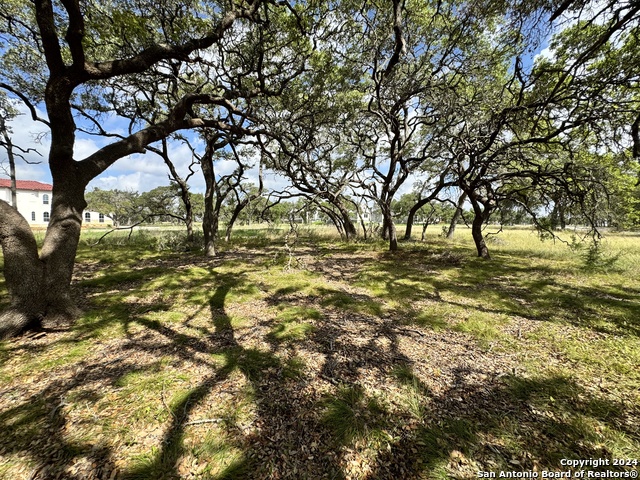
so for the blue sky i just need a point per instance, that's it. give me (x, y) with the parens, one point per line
(137, 172)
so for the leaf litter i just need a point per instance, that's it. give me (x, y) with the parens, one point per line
(359, 396)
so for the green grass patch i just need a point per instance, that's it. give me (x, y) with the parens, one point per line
(415, 393)
(352, 415)
(290, 330)
(168, 337)
(49, 358)
(142, 388)
(291, 323)
(223, 460)
(350, 302)
(481, 326)
(252, 363)
(436, 316)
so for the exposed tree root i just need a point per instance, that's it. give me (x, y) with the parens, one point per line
(14, 323)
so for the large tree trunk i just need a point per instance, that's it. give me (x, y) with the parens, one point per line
(189, 221)
(185, 195)
(23, 272)
(412, 215)
(393, 237)
(635, 135)
(410, 220)
(384, 232)
(61, 244)
(478, 237)
(40, 286)
(456, 216)
(476, 230)
(390, 229)
(209, 223)
(350, 231)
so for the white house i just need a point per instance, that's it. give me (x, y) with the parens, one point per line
(34, 202)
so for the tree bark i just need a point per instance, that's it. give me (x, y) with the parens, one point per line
(410, 219)
(384, 232)
(478, 237)
(209, 224)
(209, 229)
(12, 164)
(350, 231)
(456, 216)
(24, 273)
(188, 217)
(390, 228)
(40, 286)
(60, 245)
(635, 135)
(480, 216)
(211, 219)
(393, 237)
(412, 214)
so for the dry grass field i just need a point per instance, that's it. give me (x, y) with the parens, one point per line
(314, 358)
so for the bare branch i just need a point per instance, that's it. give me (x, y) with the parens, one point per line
(27, 103)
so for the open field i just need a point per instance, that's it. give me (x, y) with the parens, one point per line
(329, 360)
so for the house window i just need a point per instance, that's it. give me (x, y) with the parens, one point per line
(33, 216)
(45, 217)
(87, 217)
(101, 217)
(45, 199)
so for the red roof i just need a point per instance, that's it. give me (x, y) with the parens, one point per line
(27, 185)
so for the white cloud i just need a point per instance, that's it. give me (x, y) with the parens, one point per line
(83, 147)
(27, 134)
(545, 53)
(135, 181)
(136, 172)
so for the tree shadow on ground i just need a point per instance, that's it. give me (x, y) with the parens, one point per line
(328, 417)
(269, 379)
(516, 424)
(36, 428)
(505, 288)
(481, 420)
